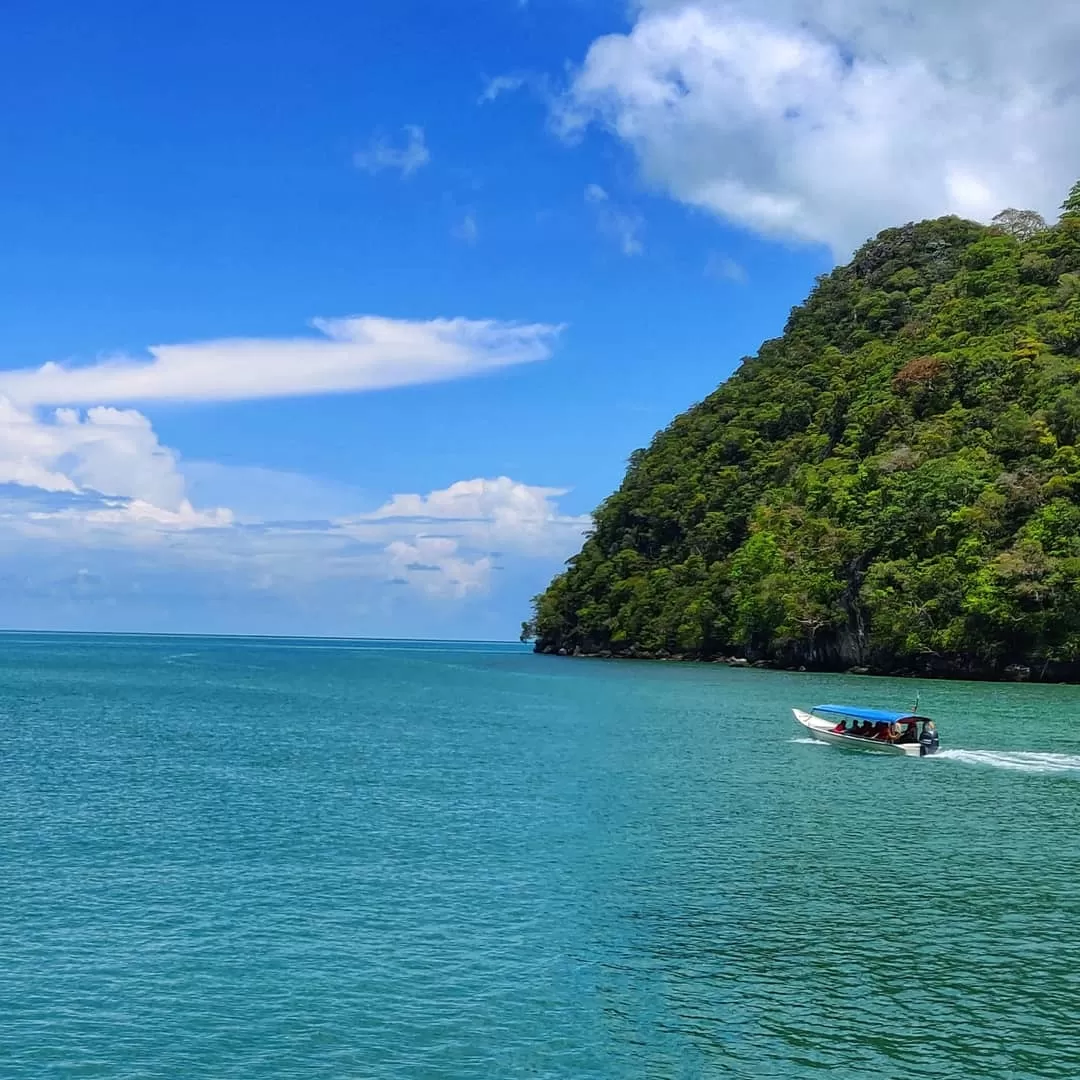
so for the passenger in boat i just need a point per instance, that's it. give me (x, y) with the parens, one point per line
(841, 728)
(894, 732)
(883, 733)
(928, 740)
(911, 734)
(865, 730)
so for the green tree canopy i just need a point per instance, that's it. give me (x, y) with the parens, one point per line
(1071, 205)
(895, 481)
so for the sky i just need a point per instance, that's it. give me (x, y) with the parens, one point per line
(340, 319)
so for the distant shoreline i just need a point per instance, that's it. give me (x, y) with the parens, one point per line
(957, 669)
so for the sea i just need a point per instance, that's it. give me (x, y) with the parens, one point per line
(283, 859)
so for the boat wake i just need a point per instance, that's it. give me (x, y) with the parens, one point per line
(1018, 760)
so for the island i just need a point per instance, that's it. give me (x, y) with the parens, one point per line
(891, 487)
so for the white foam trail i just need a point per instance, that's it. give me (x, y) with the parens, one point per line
(808, 742)
(1019, 760)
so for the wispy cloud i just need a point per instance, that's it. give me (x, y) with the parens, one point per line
(725, 268)
(348, 355)
(538, 86)
(622, 226)
(502, 84)
(411, 155)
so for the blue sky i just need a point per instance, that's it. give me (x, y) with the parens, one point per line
(614, 203)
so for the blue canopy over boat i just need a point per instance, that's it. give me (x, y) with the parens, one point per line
(878, 716)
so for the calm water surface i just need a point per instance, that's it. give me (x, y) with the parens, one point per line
(246, 858)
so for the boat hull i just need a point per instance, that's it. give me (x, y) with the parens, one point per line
(822, 730)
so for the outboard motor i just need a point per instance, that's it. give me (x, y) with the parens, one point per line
(928, 741)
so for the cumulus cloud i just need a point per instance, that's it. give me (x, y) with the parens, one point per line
(446, 572)
(111, 451)
(498, 513)
(827, 120)
(413, 154)
(350, 354)
(73, 484)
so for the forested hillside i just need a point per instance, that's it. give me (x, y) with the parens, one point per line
(892, 484)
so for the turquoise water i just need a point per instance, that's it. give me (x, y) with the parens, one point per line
(245, 858)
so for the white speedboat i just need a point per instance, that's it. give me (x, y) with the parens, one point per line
(876, 730)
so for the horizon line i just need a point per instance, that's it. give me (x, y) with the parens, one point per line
(266, 637)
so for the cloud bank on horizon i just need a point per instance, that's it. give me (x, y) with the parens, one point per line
(827, 120)
(100, 486)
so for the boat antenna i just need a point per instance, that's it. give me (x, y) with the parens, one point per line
(915, 711)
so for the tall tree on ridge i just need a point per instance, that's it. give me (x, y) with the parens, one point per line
(1071, 206)
(1022, 224)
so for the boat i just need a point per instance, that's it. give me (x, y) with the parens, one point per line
(913, 743)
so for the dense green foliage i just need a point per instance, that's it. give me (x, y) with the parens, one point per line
(894, 482)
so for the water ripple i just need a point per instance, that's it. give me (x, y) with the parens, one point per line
(273, 861)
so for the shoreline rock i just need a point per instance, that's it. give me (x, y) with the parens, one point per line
(954, 668)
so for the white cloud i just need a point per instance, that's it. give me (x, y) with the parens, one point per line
(539, 87)
(413, 154)
(827, 120)
(502, 84)
(105, 450)
(100, 482)
(118, 481)
(352, 354)
(622, 226)
(445, 544)
(435, 565)
(94, 510)
(136, 519)
(495, 513)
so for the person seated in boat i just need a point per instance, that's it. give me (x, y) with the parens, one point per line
(911, 733)
(864, 730)
(884, 733)
(841, 728)
(894, 732)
